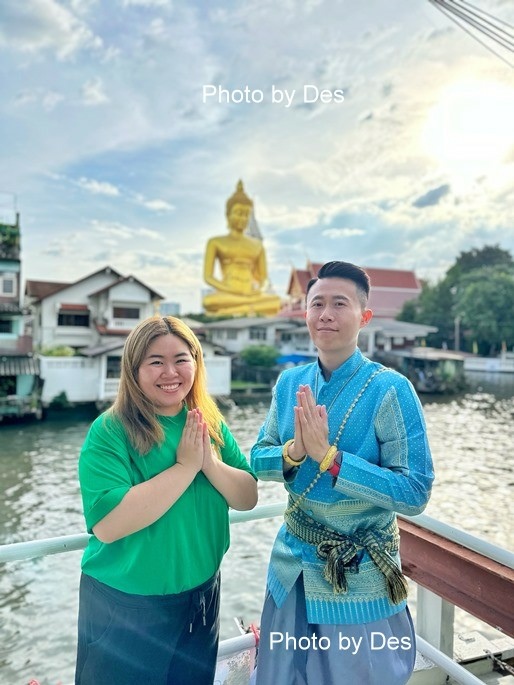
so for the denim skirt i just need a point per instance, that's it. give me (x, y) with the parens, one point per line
(126, 639)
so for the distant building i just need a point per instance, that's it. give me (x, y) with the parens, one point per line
(93, 310)
(19, 371)
(390, 289)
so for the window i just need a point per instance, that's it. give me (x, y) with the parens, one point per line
(125, 312)
(6, 326)
(113, 367)
(257, 333)
(7, 284)
(231, 334)
(71, 319)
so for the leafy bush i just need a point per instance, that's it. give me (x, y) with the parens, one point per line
(58, 351)
(260, 355)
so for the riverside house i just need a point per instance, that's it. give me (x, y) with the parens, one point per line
(93, 316)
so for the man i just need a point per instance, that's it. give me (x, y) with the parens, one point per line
(347, 438)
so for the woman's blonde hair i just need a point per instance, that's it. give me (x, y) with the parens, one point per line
(134, 409)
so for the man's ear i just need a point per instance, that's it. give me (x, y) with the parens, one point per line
(366, 317)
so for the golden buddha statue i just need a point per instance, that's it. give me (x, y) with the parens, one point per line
(242, 262)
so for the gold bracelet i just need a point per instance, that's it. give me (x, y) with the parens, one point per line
(287, 458)
(327, 460)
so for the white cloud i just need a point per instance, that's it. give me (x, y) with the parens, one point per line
(93, 93)
(147, 233)
(48, 99)
(112, 228)
(157, 205)
(342, 232)
(32, 26)
(98, 187)
(147, 3)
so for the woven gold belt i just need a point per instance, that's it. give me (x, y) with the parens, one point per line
(343, 553)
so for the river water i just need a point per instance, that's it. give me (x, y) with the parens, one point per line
(472, 439)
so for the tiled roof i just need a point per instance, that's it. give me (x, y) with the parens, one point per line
(379, 278)
(392, 278)
(41, 289)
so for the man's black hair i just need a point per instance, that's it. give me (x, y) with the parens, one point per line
(351, 272)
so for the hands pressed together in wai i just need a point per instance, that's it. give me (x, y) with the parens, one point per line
(195, 450)
(310, 427)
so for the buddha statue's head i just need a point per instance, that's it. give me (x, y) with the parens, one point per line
(239, 208)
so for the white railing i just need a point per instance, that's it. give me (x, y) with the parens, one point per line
(123, 324)
(111, 388)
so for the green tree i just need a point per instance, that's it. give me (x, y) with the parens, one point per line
(432, 307)
(487, 256)
(485, 302)
(440, 304)
(259, 355)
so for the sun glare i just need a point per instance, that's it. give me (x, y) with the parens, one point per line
(470, 130)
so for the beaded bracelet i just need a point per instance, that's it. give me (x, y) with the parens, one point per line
(328, 458)
(287, 458)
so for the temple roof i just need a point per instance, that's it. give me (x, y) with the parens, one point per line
(390, 288)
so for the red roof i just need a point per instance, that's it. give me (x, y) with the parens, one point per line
(390, 288)
(103, 330)
(41, 289)
(392, 278)
(300, 275)
(383, 278)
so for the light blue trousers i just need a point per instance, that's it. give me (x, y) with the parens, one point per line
(295, 652)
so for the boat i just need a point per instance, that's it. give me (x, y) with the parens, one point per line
(429, 369)
(450, 567)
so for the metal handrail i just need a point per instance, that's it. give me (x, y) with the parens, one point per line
(67, 543)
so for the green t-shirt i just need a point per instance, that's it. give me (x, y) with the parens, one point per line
(179, 551)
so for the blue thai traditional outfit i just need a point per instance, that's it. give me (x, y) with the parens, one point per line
(386, 468)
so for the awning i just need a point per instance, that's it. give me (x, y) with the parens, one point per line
(295, 358)
(19, 366)
(64, 307)
(97, 350)
(10, 308)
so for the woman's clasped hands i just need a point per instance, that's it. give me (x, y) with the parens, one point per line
(195, 450)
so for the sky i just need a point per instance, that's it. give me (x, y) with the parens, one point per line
(125, 126)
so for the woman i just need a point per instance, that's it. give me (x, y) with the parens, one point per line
(158, 472)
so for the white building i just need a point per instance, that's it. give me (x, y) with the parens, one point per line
(94, 315)
(236, 334)
(291, 337)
